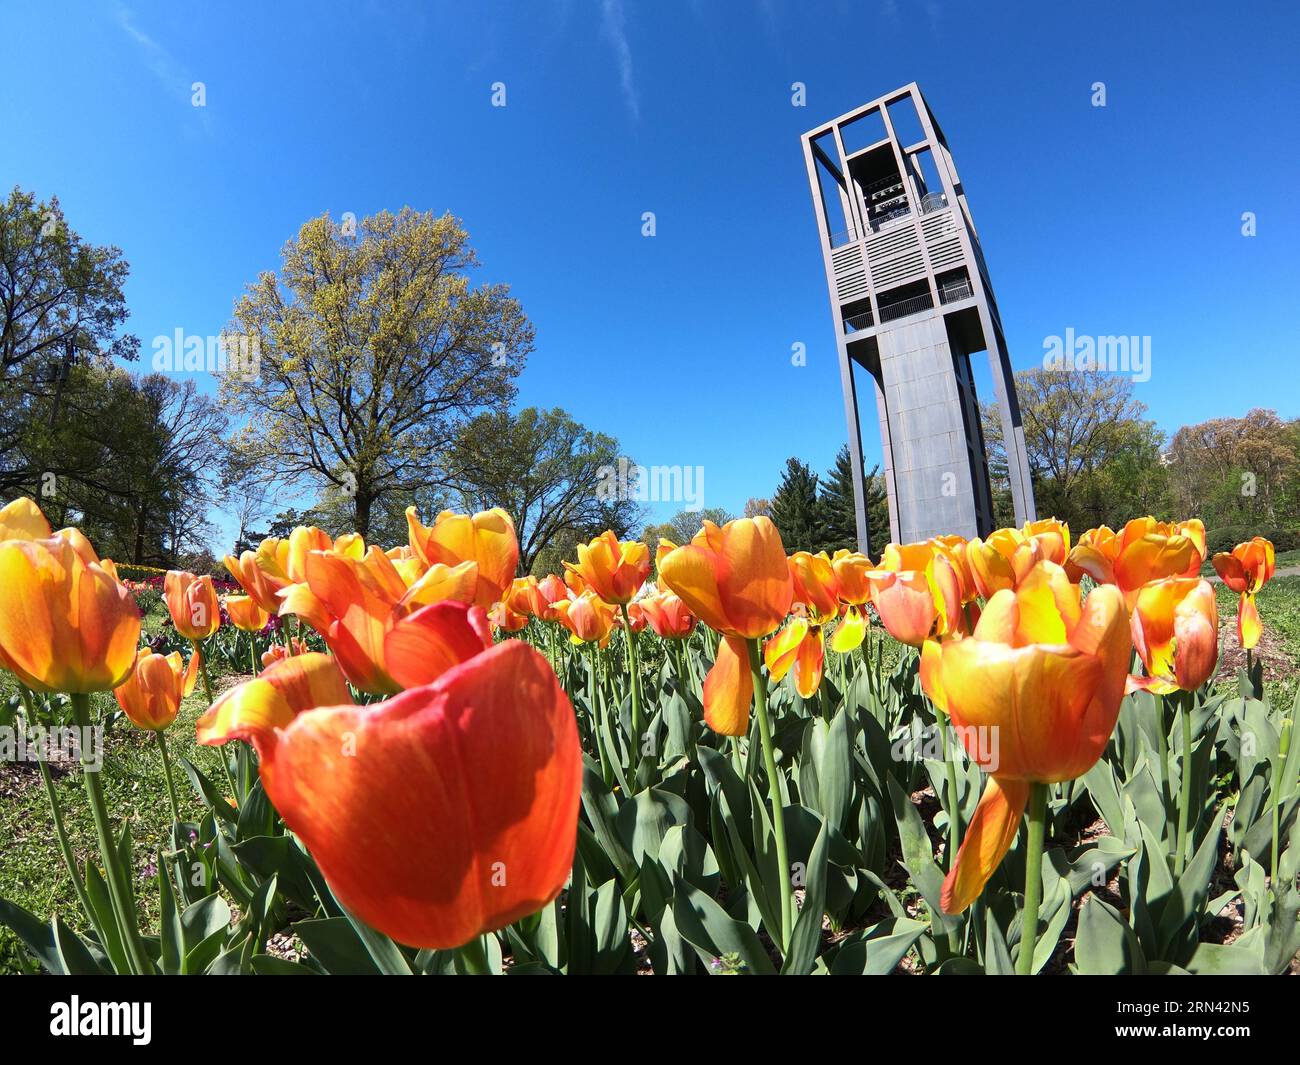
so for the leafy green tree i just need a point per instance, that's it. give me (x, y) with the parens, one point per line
(547, 472)
(682, 526)
(795, 509)
(373, 351)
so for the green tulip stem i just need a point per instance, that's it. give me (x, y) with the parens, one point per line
(252, 653)
(1185, 784)
(634, 669)
(119, 887)
(773, 791)
(203, 670)
(1033, 878)
(167, 772)
(954, 805)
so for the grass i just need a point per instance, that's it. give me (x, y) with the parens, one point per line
(1279, 609)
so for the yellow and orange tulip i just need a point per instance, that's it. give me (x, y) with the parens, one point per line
(486, 539)
(246, 613)
(588, 617)
(1034, 694)
(192, 603)
(1144, 550)
(1175, 627)
(67, 624)
(151, 694)
(614, 569)
(1245, 570)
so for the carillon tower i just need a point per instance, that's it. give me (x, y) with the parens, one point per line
(912, 301)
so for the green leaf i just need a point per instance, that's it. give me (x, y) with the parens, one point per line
(1104, 945)
(75, 958)
(878, 950)
(705, 925)
(335, 945)
(269, 965)
(806, 936)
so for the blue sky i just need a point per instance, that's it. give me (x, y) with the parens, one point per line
(1117, 220)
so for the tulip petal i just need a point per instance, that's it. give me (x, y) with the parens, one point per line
(849, 632)
(729, 689)
(1249, 627)
(255, 709)
(422, 647)
(988, 838)
(447, 811)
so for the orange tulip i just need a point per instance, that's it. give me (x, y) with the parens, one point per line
(152, 692)
(954, 549)
(613, 569)
(588, 617)
(486, 539)
(192, 603)
(1002, 560)
(539, 596)
(1034, 694)
(917, 593)
(257, 585)
(799, 648)
(246, 613)
(22, 520)
(1245, 570)
(667, 615)
(423, 646)
(1145, 550)
(665, 548)
(1052, 537)
(636, 618)
(506, 619)
(66, 623)
(737, 581)
(1175, 627)
(815, 585)
(446, 812)
(854, 590)
(277, 652)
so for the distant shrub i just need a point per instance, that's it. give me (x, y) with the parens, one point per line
(1226, 537)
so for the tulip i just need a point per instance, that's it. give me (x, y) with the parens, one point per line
(954, 549)
(1245, 570)
(542, 594)
(1044, 673)
(22, 520)
(587, 617)
(611, 568)
(151, 697)
(1175, 627)
(446, 812)
(737, 581)
(278, 652)
(255, 582)
(917, 593)
(246, 613)
(1002, 560)
(667, 615)
(423, 646)
(506, 619)
(815, 585)
(1145, 550)
(66, 624)
(854, 590)
(486, 539)
(192, 603)
(1052, 538)
(798, 647)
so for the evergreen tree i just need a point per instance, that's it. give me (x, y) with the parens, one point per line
(839, 527)
(795, 509)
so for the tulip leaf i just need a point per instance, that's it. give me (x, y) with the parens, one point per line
(835, 771)
(105, 920)
(877, 950)
(76, 959)
(707, 927)
(806, 937)
(643, 820)
(1104, 945)
(387, 956)
(208, 793)
(170, 934)
(335, 945)
(612, 948)
(37, 936)
(1178, 918)
(997, 958)
(918, 858)
(1244, 957)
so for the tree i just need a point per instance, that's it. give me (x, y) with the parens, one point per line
(547, 471)
(839, 523)
(1235, 471)
(372, 352)
(795, 511)
(682, 526)
(1087, 440)
(756, 507)
(61, 304)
